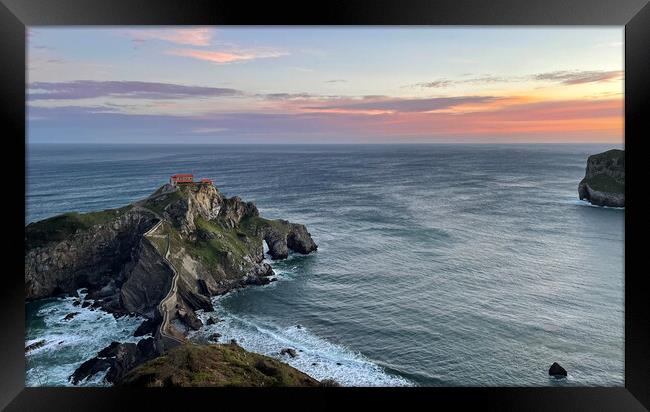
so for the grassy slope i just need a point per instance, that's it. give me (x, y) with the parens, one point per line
(215, 365)
(60, 227)
(253, 224)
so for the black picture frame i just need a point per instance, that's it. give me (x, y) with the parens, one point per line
(15, 15)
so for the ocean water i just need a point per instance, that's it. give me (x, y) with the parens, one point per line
(442, 265)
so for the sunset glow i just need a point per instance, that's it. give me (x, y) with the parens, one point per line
(325, 85)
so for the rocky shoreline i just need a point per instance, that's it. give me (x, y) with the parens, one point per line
(161, 258)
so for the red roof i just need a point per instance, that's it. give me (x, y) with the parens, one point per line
(183, 175)
(204, 180)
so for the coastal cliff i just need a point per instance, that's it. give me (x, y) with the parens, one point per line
(604, 181)
(162, 258)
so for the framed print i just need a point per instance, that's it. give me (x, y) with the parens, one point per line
(396, 202)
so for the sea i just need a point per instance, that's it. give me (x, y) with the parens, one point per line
(437, 265)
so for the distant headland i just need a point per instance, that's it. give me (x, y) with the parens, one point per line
(604, 181)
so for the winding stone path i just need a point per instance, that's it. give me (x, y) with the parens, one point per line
(164, 339)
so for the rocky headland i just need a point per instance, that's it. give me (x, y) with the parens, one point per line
(604, 181)
(162, 258)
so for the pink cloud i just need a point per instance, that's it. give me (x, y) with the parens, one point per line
(223, 57)
(190, 37)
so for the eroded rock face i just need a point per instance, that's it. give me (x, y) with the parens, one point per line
(148, 277)
(85, 258)
(604, 181)
(282, 236)
(117, 358)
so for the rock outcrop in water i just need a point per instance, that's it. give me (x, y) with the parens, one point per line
(162, 258)
(557, 371)
(604, 181)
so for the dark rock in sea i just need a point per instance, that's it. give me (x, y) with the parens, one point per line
(282, 236)
(212, 320)
(86, 303)
(71, 315)
(557, 371)
(314, 364)
(604, 181)
(117, 358)
(109, 351)
(289, 351)
(76, 302)
(233, 341)
(146, 327)
(89, 368)
(214, 337)
(329, 383)
(338, 363)
(189, 318)
(299, 326)
(35, 345)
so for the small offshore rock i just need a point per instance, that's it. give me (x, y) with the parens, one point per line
(71, 315)
(289, 351)
(557, 371)
(214, 337)
(35, 345)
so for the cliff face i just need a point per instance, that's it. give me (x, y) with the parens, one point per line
(161, 257)
(71, 251)
(604, 181)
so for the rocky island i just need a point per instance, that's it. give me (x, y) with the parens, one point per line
(604, 181)
(162, 258)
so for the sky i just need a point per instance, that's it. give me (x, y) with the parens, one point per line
(144, 84)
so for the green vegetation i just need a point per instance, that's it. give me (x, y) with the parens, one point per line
(58, 228)
(158, 204)
(215, 365)
(605, 183)
(215, 242)
(252, 225)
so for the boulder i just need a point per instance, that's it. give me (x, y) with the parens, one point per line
(117, 359)
(289, 351)
(146, 327)
(34, 345)
(557, 371)
(71, 315)
(212, 320)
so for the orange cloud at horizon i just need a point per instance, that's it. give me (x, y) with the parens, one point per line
(585, 120)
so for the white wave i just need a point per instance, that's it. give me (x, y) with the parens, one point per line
(587, 203)
(70, 343)
(316, 356)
